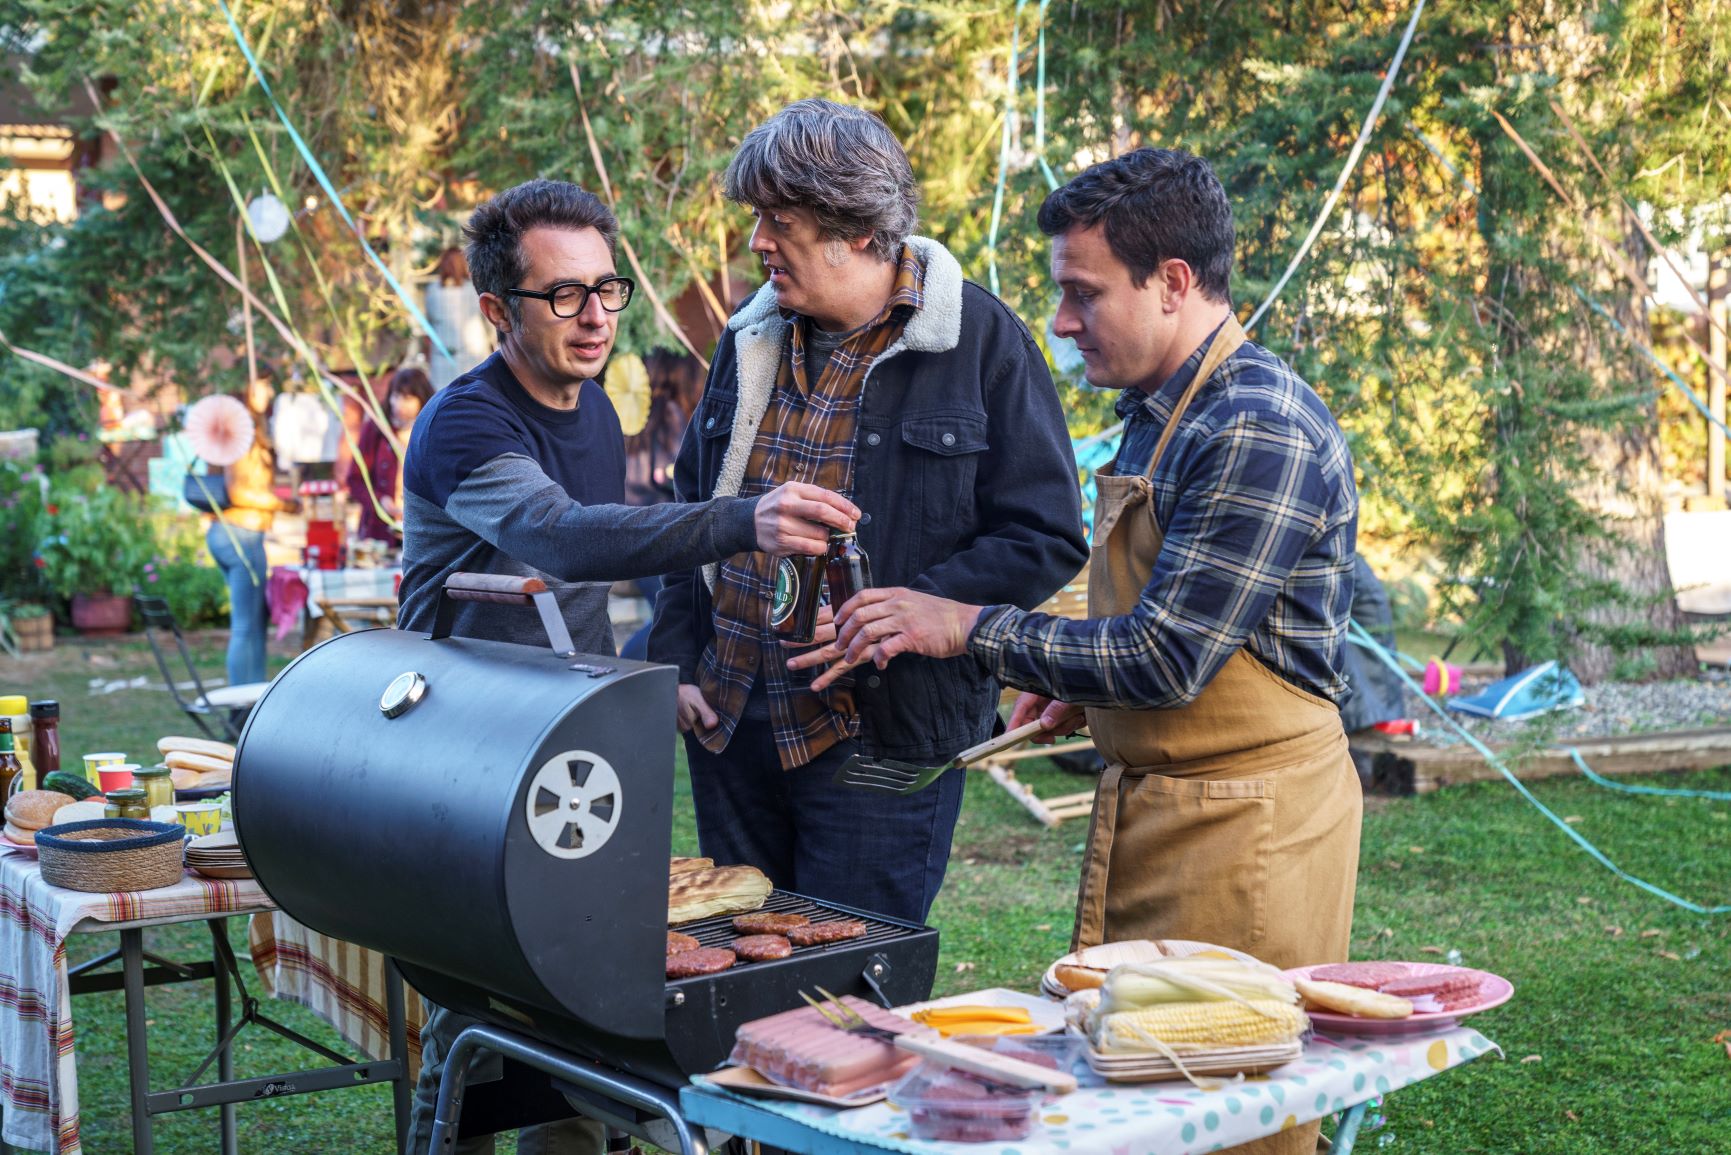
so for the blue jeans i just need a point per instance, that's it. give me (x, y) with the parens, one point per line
(246, 608)
(882, 853)
(637, 645)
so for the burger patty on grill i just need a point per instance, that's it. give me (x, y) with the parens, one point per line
(819, 933)
(705, 960)
(677, 942)
(761, 947)
(768, 922)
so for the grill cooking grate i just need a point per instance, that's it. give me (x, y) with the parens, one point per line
(719, 932)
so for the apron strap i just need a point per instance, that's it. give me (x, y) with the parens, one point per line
(1091, 897)
(1226, 342)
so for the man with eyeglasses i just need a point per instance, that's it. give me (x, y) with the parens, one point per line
(518, 468)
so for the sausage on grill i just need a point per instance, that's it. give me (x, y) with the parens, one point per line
(677, 942)
(768, 922)
(705, 960)
(819, 933)
(762, 947)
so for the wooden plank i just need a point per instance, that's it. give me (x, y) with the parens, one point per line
(1020, 791)
(1416, 768)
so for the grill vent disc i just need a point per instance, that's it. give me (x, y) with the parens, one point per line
(573, 804)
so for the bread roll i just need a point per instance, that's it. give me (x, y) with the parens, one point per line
(179, 760)
(1080, 978)
(21, 837)
(185, 779)
(1350, 1000)
(34, 809)
(210, 749)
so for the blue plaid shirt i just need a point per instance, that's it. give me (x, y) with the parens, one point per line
(1255, 497)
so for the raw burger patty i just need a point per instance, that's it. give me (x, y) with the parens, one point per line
(761, 947)
(768, 922)
(705, 960)
(819, 933)
(1451, 989)
(677, 942)
(1369, 975)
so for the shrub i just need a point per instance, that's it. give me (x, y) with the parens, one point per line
(196, 594)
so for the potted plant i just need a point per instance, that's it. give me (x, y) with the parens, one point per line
(32, 627)
(96, 547)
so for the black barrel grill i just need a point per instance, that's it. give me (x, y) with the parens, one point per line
(498, 819)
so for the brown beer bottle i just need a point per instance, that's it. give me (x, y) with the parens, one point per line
(848, 568)
(797, 596)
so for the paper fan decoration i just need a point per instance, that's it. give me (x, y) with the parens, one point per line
(219, 429)
(628, 388)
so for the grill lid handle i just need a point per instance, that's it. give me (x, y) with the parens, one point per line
(505, 590)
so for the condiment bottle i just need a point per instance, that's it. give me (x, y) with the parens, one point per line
(15, 708)
(797, 596)
(11, 768)
(45, 736)
(847, 568)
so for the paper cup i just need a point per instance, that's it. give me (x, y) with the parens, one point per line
(199, 817)
(94, 762)
(115, 777)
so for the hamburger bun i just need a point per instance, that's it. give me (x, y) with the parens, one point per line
(1080, 978)
(34, 809)
(1350, 1000)
(203, 746)
(21, 837)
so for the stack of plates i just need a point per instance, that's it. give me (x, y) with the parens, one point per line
(1150, 1067)
(217, 856)
(1108, 955)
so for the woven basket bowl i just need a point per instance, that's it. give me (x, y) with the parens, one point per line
(108, 855)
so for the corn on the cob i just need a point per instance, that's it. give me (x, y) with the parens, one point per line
(1194, 1025)
(706, 893)
(1133, 986)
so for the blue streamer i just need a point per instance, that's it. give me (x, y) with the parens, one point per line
(1654, 358)
(1627, 788)
(1362, 637)
(325, 183)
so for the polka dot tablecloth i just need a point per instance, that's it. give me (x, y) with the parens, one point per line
(1335, 1072)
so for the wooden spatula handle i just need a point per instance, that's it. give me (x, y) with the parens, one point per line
(1001, 743)
(988, 1063)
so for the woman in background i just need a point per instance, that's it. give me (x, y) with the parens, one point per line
(236, 539)
(408, 391)
(675, 387)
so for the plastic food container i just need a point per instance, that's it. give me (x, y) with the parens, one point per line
(1059, 1052)
(947, 1105)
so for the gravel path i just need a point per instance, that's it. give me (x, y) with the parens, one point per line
(1611, 708)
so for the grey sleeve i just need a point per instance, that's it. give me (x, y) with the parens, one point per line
(522, 512)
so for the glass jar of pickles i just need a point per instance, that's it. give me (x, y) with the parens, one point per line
(158, 784)
(129, 803)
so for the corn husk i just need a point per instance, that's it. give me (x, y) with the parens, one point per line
(688, 865)
(725, 890)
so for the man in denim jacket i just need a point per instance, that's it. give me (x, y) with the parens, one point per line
(869, 366)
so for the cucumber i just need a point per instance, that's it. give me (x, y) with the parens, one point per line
(74, 786)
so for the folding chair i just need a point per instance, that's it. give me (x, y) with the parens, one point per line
(218, 711)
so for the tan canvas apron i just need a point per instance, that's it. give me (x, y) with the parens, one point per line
(1234, 819)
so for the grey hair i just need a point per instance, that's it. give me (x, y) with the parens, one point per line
(841, 162)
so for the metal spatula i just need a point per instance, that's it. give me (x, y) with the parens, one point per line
(887, 774)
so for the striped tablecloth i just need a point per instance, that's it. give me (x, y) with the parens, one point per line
(38, 1071)
(342, 983)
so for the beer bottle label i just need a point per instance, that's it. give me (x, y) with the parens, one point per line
(786, 594)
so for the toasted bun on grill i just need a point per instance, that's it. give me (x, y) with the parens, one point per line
(1080, 978)
(175, 744)
(203, 763)
(1345, 999)
(34, 809)
(688, 865)
(708, 893)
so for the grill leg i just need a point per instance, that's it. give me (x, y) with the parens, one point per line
(137, 1048)
(453, 1082)
(396, 1026)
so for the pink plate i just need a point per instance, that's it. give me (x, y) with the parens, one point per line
(1494, 991)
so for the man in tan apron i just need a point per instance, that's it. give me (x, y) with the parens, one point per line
(1219, 590)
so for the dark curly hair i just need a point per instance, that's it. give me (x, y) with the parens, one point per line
(1157, 204)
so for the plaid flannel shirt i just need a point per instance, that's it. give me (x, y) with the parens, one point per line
(807, 435)
(1255, 496)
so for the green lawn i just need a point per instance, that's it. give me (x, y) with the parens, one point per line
(1610, 1037)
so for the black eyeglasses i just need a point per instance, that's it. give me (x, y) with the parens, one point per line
(568, 298)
